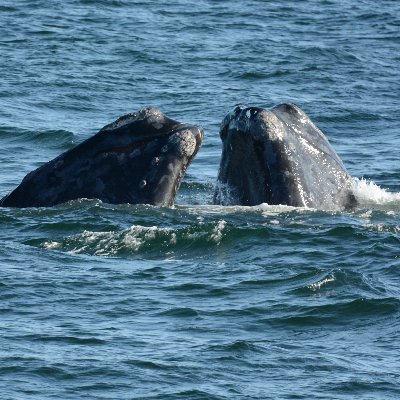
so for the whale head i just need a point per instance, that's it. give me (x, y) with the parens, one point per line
(279, 156)
(140, 158)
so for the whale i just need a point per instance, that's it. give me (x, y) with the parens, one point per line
(141, 158)
(279, 156)
(275, 156)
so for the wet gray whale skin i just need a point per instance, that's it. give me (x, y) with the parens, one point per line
(140, 158)
(279, 157)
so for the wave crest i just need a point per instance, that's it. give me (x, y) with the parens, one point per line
(152, 239)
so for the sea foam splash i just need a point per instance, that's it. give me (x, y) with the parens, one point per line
(154, 240)
(369, 193)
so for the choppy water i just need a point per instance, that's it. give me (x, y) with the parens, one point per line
(200, 302)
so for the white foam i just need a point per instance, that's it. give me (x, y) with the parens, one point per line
(216, 234)
(276, 209)
(266, 210)
(111, 243)
(51, 245)
(368, 193)
(316, 286)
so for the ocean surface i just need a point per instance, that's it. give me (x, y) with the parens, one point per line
(102, 301)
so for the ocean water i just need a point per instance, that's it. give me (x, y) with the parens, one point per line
(102, 301)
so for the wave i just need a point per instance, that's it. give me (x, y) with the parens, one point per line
(338, 313)
(201, 233)
(52, 138)
(151, 240)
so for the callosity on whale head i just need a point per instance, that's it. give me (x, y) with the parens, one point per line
(140, 158)
(279, 157)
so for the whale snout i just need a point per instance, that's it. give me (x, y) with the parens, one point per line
(186, 141)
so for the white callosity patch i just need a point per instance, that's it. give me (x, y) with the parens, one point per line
(230, 120)
(267, 121)
(258, 122)
(153, 116)
(184, 142)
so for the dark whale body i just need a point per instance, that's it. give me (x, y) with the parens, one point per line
(274, 157)
(279, 157)
(140, 158)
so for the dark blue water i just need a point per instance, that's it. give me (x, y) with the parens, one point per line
(100, 301)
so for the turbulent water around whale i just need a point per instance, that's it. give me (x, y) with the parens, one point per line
(198, 301)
